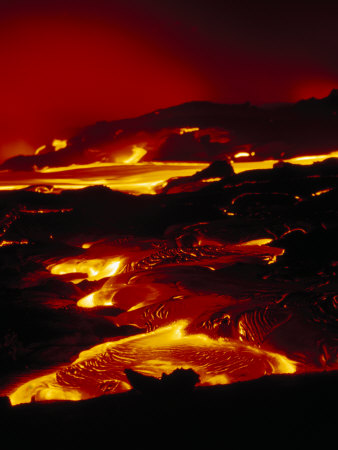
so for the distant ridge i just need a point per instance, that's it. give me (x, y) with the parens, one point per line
(306, 127)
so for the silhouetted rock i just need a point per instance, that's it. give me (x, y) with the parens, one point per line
(180, 381)
(143, 383)
(297, 409)
(5, 404)
(218, 170)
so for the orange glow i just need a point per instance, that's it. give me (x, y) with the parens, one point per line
(153, 353)
(257, 242)
(211, 180)
(137, 155)
(46, 210)
(58, 144)
(313, 88)
(8, 243)
(141, 178)
(91, 269)
(272, 259)
(242, 155)
(87, 302)
(115, 293)
(141, 282)
(310, 159)
(87, 245)
(188, 130)
(323, 191)
(132, 178)
(90, 301)
(94, 300)
(269, 163)
(39, 150)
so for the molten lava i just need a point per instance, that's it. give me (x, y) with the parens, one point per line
(94, 269)
(130, 175)
(145, 285)
(100, 370)
(203, 273)
(58, 144)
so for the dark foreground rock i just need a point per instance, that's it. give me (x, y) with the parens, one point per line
(274, 410)
(179, 382)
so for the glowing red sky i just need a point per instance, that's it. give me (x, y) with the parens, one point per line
(66, 64)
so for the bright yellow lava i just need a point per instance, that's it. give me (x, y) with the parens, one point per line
(135, 157)
(216, 361)
(241, 155)
(161, 351)
(58, 144)
(39, 150)
(130, 176)
(139, 178)
(188, 130)
(257, 242)
(269, 163)
(9, 243)
(92, 269)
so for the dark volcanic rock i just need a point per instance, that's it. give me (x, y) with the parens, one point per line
(218, 170)
(180, 381)
(297, 409)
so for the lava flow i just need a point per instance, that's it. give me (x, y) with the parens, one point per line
(228, 268)
(100, 370)
(133, 178)
(192, 317)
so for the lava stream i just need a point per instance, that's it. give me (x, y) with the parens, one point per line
(100, 370)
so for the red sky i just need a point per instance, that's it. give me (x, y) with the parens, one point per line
(66, 64)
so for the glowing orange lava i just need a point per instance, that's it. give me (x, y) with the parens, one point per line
(100, 370)
(130, 175)
(93, 269)
(139, 178)
(8, 243)
(143, 282)
(241, 155)
(188, 130)
(58, 144)
(110, 292)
